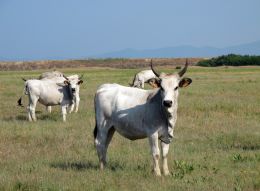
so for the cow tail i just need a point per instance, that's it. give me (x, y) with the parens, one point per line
(132, 84)
(19, 102)
(95, 131)
(26, 92)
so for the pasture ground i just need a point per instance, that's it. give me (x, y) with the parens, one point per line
(217, 145)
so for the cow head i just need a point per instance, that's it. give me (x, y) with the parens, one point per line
(169, 85)
(73, 83)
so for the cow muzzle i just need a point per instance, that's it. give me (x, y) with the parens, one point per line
(167, 103)
(73, 90)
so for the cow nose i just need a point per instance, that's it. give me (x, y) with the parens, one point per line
(167, 103)
(73, 89)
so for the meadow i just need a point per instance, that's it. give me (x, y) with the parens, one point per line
(216, 145)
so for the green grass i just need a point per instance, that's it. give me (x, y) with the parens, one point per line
(217, 145)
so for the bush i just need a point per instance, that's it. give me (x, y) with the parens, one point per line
(231, 60)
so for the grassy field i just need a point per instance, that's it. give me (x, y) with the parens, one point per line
(217, 145)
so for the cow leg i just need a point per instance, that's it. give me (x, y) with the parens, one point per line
(28, 109)
(29, 113)
(32, 106)
(72, 107)
(153, 140)
(77, 104)
(142, 83)
(32, 111)
(110, 134)
(165, 150)
(64, 112)
(103, 138)
(48, 109)
(139, 84)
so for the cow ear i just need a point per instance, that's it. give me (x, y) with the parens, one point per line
(155, 83)
(158, 82)
(185, 82)
(80, 82)
(66, 82)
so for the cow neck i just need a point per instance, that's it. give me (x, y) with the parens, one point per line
(70, 96)
(155, 97)
(169, 115)
(172, 113)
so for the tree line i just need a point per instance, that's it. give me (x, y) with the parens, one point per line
(231, 60)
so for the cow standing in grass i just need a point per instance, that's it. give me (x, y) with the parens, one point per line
(50, 75)
(76, 99)
(50, 92)
(137, 113)
(145, 76)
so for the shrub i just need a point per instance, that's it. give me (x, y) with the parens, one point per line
(231, 60)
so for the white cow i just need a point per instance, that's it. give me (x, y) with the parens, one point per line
(76, 98)
(50, 92)
(137, 113)
(145, 76)
(52, 75)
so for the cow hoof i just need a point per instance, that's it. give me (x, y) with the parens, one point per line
(167, 173)
(156, 173)
(101, 166)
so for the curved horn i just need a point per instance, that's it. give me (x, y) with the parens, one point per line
(24, 79)
(182, 72)
(65, 77)
(154, 70)
(81, 76)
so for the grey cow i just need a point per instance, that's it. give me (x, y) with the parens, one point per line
(137, 113)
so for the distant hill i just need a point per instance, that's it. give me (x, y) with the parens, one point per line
(184, 51)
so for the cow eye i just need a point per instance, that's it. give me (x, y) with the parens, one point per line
(175, 88)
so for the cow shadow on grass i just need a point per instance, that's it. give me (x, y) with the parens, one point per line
(42, 117)
(78, 166)
(21, 118)
(87, 165)
(49, 117)
(13, 118)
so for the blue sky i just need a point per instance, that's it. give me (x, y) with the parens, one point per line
(67, 29)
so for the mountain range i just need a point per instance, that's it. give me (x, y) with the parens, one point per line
(252, 48)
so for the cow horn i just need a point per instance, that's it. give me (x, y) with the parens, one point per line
(154, 70)
(65, 77)
(24, 79)
(182, 72)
